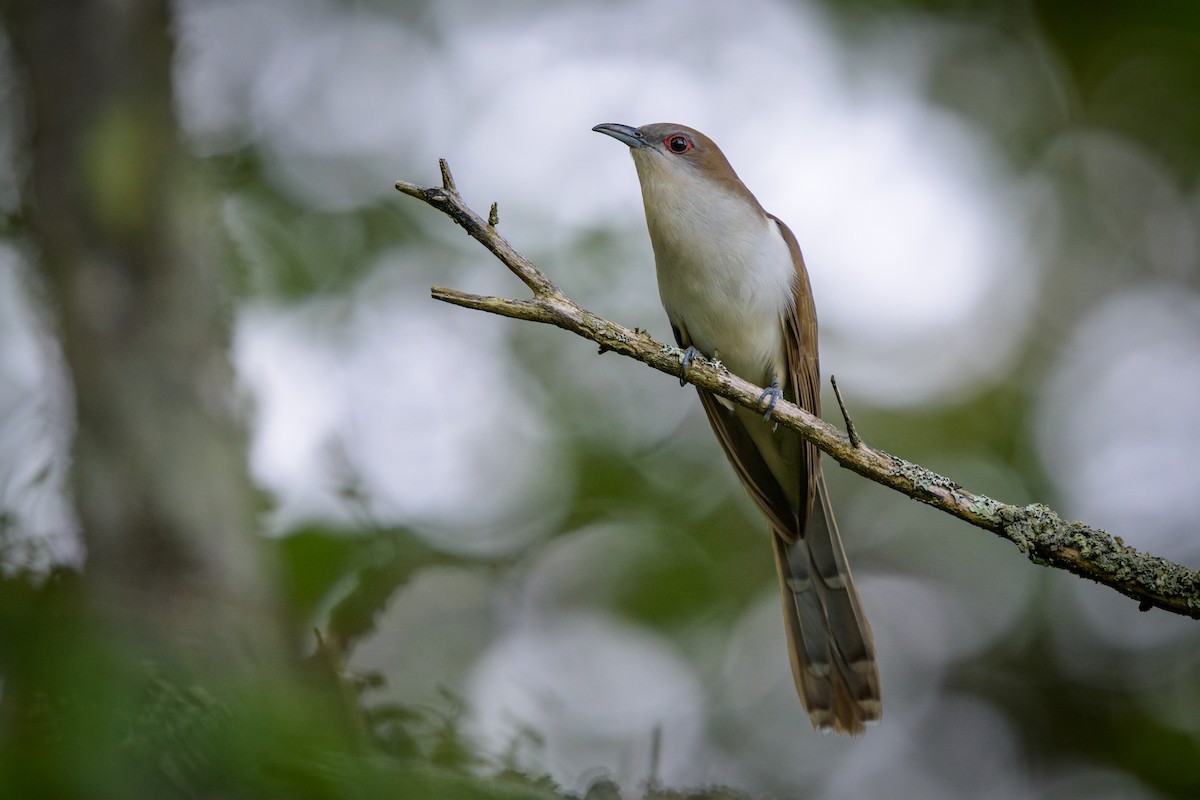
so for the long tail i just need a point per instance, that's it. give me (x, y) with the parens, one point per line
(832, 653)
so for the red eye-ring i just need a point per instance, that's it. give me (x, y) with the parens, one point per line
(678, 143)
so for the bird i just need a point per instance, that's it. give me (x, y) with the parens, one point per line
(733, 283)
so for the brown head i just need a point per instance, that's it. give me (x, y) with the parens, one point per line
(667, 153)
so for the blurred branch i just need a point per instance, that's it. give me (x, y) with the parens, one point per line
(1036, 530)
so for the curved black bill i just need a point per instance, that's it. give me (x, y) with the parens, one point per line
(622, 133)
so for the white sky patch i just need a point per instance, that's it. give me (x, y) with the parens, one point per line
(38, 526)
(403, 402)
(594, 691)
(1118, 427)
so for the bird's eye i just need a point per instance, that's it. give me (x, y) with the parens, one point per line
(678, 143)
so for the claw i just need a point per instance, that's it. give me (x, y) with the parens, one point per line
(774, 392)
(686, 361)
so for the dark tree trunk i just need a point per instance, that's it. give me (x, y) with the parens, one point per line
(121, 226)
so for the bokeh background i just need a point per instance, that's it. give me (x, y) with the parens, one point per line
(274, 523)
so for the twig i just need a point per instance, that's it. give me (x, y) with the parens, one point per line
(1036, 530)
(855, 441)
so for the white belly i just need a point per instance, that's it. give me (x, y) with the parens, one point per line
(726, 277)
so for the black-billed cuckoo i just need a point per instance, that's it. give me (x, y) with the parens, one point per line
(734, 287)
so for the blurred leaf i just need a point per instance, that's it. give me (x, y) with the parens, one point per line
(313, 561)
(386, 562)
(353, 574)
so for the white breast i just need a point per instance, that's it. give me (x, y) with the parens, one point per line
(725, 273)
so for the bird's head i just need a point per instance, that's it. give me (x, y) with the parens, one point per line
(674, 160)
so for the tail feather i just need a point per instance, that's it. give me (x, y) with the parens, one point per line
(831, 648)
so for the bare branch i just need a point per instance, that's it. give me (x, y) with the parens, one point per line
(447, 200)
(1036, 530)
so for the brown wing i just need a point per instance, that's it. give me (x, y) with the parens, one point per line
(832, 650)
(800, 342)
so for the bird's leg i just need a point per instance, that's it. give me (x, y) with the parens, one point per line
(686, 361)
(774, 392)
